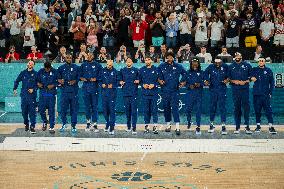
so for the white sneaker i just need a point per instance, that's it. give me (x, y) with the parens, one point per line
(237, 132)
(134, 132)
(111, 132)
(128, 130)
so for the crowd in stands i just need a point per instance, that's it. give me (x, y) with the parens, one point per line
(34, 29)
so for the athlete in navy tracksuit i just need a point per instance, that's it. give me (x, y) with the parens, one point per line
(263, 79)
(108, 80)
(170, 84)
(149, 76)
(239, 74)
(194, 81)
(129, 80)
(89, 73)
(28, 95)
(47, 83)
(68, 77)
(216, 76)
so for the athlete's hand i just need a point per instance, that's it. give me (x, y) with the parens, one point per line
(136, 81)
(30, 91)
(103, 85)
(226, 81)
(122, 83)
(162, 82)
(151, 86)
(191, 86)
(206, 83)
(146, 86)
(40, 85)
(83, 79)
(93, 79)
(50, 87)
(15, 92)
(109, 86)
(253, 79)
(197, 85)
(61, 81)
(72, 82)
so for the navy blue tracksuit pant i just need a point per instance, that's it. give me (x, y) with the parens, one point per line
(259, 102)
(69, 100)
(130, 104)
(47, 102)
(108, 103)
(91, 105)
(171, 106)
(28, 106)
(218, 97)
(194, 98)
(241, 100)
(150, 109)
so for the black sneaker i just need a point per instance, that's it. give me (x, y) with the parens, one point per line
(88, 127)
(168, 129)
(211, 128)
(51, 130)
(95, 128)
(27, 128)
(224, 130)
(188, 125)
(257, 129)
(33, 130)
(197, 131)
(155, 130)
(44, 126)
(147, 130)
(247, 130)
(178, 132)
(272, 130)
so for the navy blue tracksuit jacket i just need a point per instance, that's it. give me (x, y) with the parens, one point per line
(130, 94)
(28, 100)
(240, 71)
(262, 92)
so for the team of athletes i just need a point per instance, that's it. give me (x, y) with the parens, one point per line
(169, 76)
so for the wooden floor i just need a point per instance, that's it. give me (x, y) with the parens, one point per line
(93, 170)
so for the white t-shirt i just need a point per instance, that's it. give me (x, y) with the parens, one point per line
(216, 30)
(184, 27)
(266, 28)
(207, 57)
(201, 32)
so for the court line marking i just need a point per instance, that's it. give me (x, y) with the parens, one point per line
(3, 114)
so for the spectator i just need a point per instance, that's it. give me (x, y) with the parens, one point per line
(82, 55)
(201, 31)
(216, 32)
(279, 32)
(92, 40)
(250, 30)
(52, 42)
(163, 52)
(41, 8)
(122, 29)
(154, 56)
(89, 15)
(258, 53)
(185, 30)
(224, 52)
(232, 27)
(108, 30)
(60, 58)
(266, 31)
(137, 29)
(34, 55)
(14, 24)
(29, 38)
(60, 8)
(172, 28)
(52, 17)
(103, 55)
(78, 28)
(140, 54)
(207, 56)
(12, 55)
(157, 30)
(122, 55)
(184, 54)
